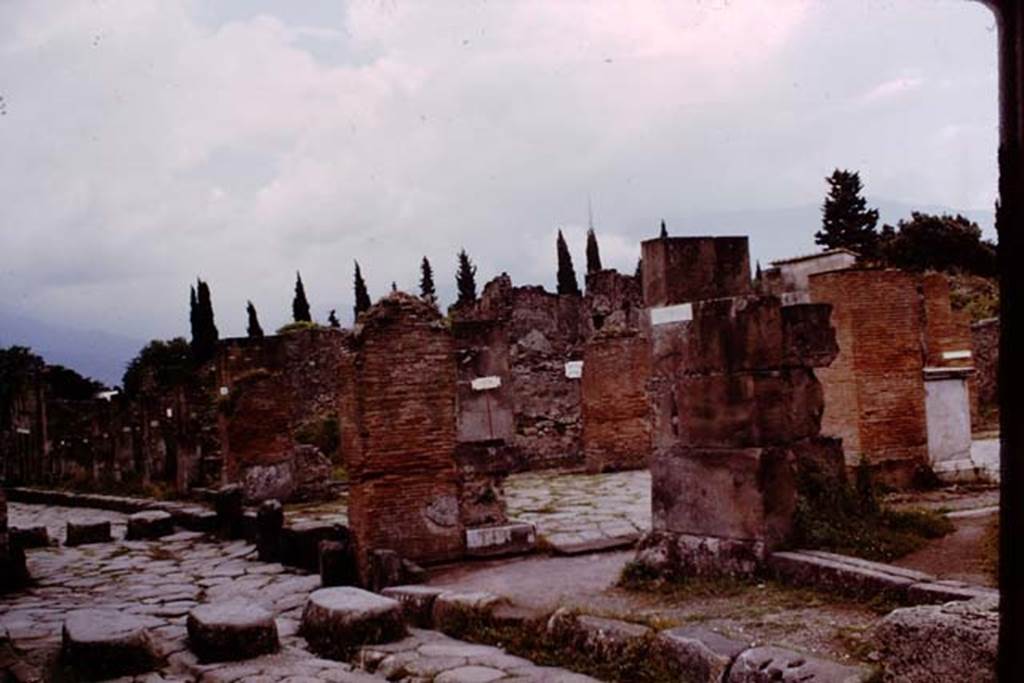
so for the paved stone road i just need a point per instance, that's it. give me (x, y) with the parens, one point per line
(162, 580)
(581, 512)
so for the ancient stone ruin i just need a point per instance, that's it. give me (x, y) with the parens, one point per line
(737, 405)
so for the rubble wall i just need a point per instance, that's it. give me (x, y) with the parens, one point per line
(985, 347)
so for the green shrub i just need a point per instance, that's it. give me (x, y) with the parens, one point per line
(298, 326)
(323, 433)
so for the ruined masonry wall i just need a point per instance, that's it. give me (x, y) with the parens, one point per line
(985, 347)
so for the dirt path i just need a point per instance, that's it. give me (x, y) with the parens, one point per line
(962, 555)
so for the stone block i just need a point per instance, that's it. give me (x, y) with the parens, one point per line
(681, 269)
(149, 524)
(231, 631)
(269, 523)
(735, 334)
(770, 664)
(228, 503)
(606, 640)
(30, 537)
(81, 533)
(100, 644)
(935, 592)
(456, 613)
(337, 621)
(417, 603)
(505, 539)
(695, 653)
(952, 642)
(338, 566)
(300, 543)
(809, 339)
(385, 569)
(749, 409)
(844, 575)
(739, 494)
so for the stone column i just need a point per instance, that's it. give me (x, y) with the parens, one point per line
(13, 573)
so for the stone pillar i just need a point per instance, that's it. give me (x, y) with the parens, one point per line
(738, 399)
(13, 573)
(398, 400)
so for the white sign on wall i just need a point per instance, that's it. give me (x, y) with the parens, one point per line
(680, 313)
(574, 369)
(485, 383)
(956, 355)
(223, 391)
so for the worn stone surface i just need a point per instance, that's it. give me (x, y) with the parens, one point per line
(336, 621)
(107, 643)
(605, 640)
(843, 574)
(417, 603)
(696, 654)
(768, 664)
(231, 631)
(149, 524)
(955, 642)
(455, 613)
(81, 533)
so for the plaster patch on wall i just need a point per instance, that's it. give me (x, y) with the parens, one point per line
(679, 313)
(956, 355)
(574, 369)
(485, 383)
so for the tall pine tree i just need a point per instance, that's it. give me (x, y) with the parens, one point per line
(253, 328)
(204, 330)
(593, 253)
(300, 305)
(567, 283)
(361, 295)
(427, 291)
(846, 222)
(465, 280)
(664, 230)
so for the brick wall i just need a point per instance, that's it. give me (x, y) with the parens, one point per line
(616, 411)
(404, 493)
(613, 300)
(985, 345)
(874, 391)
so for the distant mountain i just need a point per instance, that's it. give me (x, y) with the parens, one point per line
(100, 355)
(789, 231)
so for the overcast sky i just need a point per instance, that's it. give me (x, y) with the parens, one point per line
(145, 142)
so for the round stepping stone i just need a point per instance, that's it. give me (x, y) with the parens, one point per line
(149, 524)
(337, 621)
(231, 631)
(80, 533)
(103, 644)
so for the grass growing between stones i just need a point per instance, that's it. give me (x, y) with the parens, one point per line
(832, 515)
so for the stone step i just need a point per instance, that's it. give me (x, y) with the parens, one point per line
(81, 533)
(337, 621)
(231, 631)
(149, 524)
(102, 644)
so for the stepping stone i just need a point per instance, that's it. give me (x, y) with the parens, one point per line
(231, 631)
(30, 537)
(769, 663)
(80, 533)
(149, 524)
(103, 644)
(336, 621)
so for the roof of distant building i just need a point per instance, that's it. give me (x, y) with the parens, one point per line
(820, 254)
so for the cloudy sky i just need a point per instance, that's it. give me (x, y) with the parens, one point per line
(145, 142)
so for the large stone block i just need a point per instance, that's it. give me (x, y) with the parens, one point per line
(735, 334)
(232, 631)
(808, 336)
(742, 494)
(149, 524)
(695, 653)
(81, 533)
(101, 644)
(769, 664)
(336, 621)
(748, 409)
(681, 269)
(952, 642)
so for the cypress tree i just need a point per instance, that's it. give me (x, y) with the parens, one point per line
(846, 222)
(757, 273)
(567, 283)
(664, 230)
(639, 273)
(193, 315)
(427, 291)
(300, 305)
(465, 279)
(593, 253)
(362, 296)
(332, 319)
(253, 329)
(205, 335)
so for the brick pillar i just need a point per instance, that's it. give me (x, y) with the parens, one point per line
(398, 400)
(737, 408)
(616, 409)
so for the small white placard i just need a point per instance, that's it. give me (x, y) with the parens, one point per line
(574, 369)
(223, 391)
(956, 355)
(154, 423)
(680, 313)
(23, 430)
(169, 412)
(485, 383)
